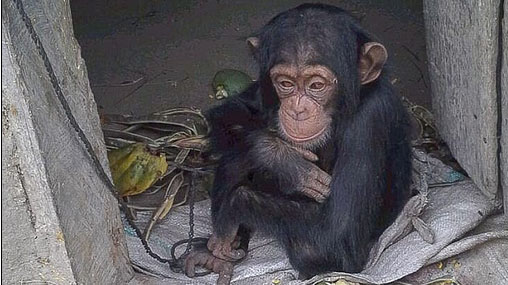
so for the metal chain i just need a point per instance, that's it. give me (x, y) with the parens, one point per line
(191, 213)
(175, 263)
(61, 98)
(191, 240)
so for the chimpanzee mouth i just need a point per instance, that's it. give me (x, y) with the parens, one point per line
(299, 139)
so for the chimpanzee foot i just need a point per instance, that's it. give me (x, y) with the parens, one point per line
(226, 248)
(203, 257)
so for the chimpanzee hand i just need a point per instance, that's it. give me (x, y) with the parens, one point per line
(315, 183)
(201, 256)
(293, 165)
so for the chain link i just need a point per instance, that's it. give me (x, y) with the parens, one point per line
(191, 212)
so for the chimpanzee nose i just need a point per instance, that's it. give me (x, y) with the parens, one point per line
(298, 107)
(299, 113)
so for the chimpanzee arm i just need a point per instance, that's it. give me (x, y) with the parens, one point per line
(293, 166)
(233, 120)
(239, 129)
(359, 185)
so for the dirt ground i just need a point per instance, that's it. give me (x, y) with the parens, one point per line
(146, 56)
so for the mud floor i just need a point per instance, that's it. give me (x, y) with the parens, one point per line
(145, 56)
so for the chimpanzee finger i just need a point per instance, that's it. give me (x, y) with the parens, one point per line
(218, 252)
(216, 244)
(189, 268)
(320, 176)
(313, 193)
(307, 154)
(322, 190)
(190, 262)
(233, 254)
(225, 274)
(224, 279)
(209, 262)
(236, 243)
(325, 178)
(224, 250)
(320, 198)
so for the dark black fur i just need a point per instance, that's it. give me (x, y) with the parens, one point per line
(368, 156)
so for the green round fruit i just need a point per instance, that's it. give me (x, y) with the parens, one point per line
(229, 82)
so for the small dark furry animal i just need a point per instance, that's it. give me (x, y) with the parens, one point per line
(315, 153)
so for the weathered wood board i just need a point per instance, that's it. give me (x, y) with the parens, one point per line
(68, 218)
(30, 227)
(504, 109)
(462, 49)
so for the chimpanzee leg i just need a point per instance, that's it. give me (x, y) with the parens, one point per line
(257, 211)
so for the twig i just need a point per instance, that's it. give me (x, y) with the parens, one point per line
(137, 88)
(123, 84)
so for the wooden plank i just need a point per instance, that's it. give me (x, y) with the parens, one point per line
(504, 110)
(88, 214)
(462, 43)
(32, 251)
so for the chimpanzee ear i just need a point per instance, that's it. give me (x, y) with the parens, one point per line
(253, 43)
(372, 59)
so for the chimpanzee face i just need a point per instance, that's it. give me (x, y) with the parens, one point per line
(304, 93)
(308, 91)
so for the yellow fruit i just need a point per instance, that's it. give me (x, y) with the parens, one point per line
(155, 167)
(135, 169)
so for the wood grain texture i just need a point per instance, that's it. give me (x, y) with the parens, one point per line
(87, 212)
(462, 46)
(31, 247)
(504, 109)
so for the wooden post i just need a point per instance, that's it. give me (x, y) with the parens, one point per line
(462, 46)
(62, 224)
(504, 109)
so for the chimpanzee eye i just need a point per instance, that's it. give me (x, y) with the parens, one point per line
(317, 86)
(286, 84)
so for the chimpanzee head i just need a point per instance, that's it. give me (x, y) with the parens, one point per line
(313, 60)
